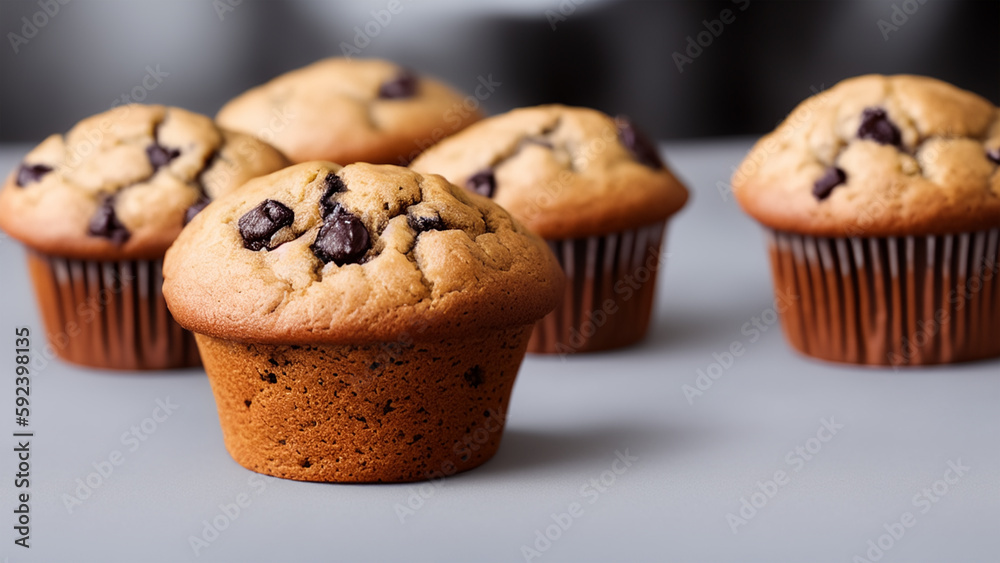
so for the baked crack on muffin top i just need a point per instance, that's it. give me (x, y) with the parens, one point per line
(123, 183)
(878, 156)
(563, 171)
(320, 253)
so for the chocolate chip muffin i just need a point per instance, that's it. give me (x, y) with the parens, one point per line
(597, 190)
(350, 110)
(881, 199)
(98, 207)
(359, 324)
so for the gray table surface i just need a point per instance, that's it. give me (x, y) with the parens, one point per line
(695, 461)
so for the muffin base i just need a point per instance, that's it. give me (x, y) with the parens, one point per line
(109, 314)
(611, 283)
(382, 412)
(895, 301)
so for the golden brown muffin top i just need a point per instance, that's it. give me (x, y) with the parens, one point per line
(121, 184)
(316, 253)
(565, 172)
(878, 156)
(349, 110)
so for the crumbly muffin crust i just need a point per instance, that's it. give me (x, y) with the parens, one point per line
(316, 253)
(121, 184)
(878, 156)
(349, 110)
(564, 172)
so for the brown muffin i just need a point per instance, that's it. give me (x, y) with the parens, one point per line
(349, 110)
(98, 207)
(361, 323)
(596, 189)
(881, 198)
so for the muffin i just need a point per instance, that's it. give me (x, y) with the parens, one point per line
(350, 110)
(596, 190)
(98, 207)
(881, 200)
(359, 324)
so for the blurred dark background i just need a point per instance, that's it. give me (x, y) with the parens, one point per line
(617, 56)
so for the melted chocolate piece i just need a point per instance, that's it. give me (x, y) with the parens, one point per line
(483, 183)
(426, 223)
(993, 155)
(642, 149)
(28, 173)
(195, 209)
(160, 156)
(830, 179)
(875, 125)
(404, 85)
(105, 223)
(343, 238)
(334, 185)
(258, 225)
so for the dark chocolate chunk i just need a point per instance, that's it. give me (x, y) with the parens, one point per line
(993, 155)
(404, 85)
(637, 143)
(258, 225)
(426, 223)
(334, 185)
(483, 182)
(538, 141)
(195, 209)
(160, 155)
(475, 376)
(29, 173)
(343, 238)
(875, 125)
(830, 179)
(105, 222)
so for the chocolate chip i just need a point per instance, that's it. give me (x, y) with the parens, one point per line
(474, 376)
(830, 179)
(426, 223)
(160, 156)
(483, 182)
(642, 149)
(258, 225)
(538, 141)
(195, 209)
(404, 85)
(334, 185)
(875, 125)
(29, 173)
(343, 238)
(105, 222)
(994, 155)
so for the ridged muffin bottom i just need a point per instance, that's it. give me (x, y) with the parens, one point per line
(382, 412)
(611, 283)
(893, 301)
(109, 314)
